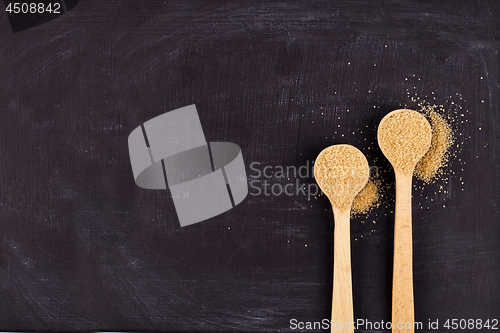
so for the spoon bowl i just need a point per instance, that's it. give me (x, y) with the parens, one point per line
(404, 136)
(341, 171)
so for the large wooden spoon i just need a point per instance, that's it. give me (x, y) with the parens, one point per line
(404, 137)
(341, 171)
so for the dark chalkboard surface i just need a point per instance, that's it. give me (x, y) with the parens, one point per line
(83, 248)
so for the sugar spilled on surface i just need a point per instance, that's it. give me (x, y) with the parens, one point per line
(432, 165)
(368, 198)
(430, 168)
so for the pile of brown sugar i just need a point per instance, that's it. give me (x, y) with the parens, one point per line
(432, 164)
(368, 198)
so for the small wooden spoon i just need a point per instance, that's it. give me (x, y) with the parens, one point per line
(341, 171)
(404, 137)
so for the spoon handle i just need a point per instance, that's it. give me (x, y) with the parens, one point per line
(342, 310)
(402, 283)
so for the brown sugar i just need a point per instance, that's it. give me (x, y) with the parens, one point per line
(368, 198)
(341, 172)
(432, 164)
(404, 137)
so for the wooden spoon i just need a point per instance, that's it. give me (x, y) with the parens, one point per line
(404, 137)
(341, 171)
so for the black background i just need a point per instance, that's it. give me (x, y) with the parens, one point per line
(83, 248)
